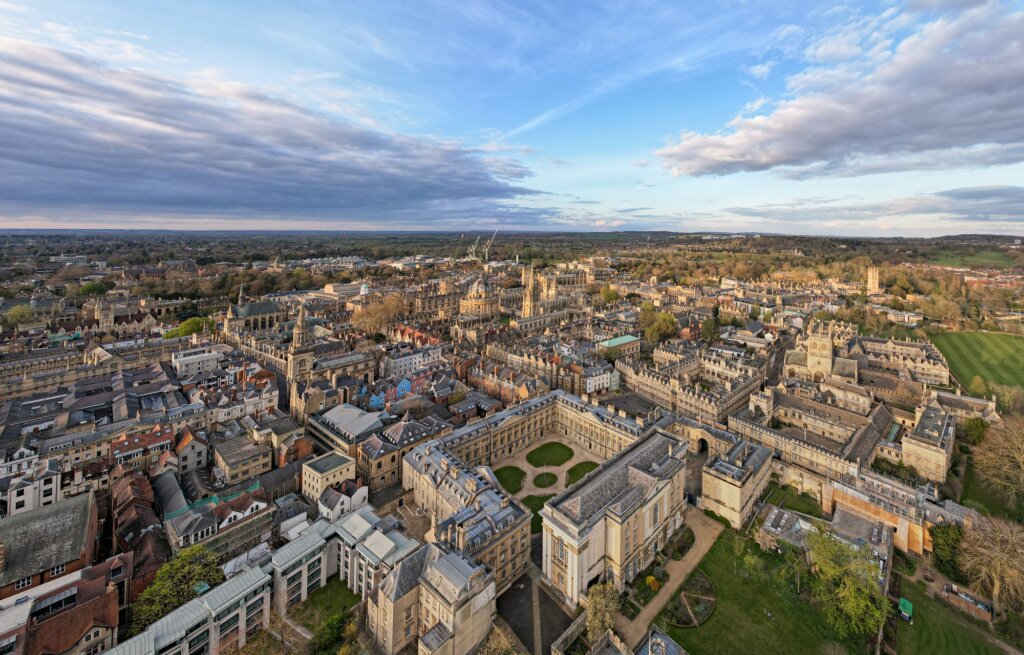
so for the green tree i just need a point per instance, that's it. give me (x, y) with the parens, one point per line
(191, 326)
(647, 314)
(946, 541)
(663, 327)
(175, 584)
(975, 429)
(709, 330)
(93, 289)
(846, 587)
(328, 636)
(609, 295)
(601, 610)
(18, 314)
(978, 387)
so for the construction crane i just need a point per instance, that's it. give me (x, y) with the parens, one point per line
(472, 248)
(487, 248)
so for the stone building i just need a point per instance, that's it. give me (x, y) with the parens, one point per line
(733, 482)
(609, 526)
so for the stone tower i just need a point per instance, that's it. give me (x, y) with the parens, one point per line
(873, 287)
(529, 291)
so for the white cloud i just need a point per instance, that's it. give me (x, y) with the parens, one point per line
(950, 94)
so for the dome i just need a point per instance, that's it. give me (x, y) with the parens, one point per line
(481, 288)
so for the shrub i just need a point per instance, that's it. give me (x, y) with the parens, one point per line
(653, 584)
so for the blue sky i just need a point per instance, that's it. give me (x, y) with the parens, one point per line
(893, 118)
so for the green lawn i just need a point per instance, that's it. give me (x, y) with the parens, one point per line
(333, 598)
(545, 480)
(550, 454)
(995, 357)
(511, 478)
(806, 504)
(535, 503)
(754, 616)
(576, 473)
(938, 629)
(993, 258)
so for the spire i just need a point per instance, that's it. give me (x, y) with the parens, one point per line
(299, 333)
(241, 292)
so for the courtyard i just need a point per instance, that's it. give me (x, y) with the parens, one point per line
(537, 474)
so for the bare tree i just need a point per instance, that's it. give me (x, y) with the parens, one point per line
(499, 642)
(992, 556)
(602, 607)
(1000, 460)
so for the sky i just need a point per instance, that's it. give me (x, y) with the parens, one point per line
(866, 119)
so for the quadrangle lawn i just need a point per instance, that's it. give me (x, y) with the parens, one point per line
(578, 471)
(511, 478)
(995, 357)
(333, 598)
(550, 454)
(938, 629)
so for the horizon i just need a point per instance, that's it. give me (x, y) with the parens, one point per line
(894, 119)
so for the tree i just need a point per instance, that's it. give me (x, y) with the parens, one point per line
(601, 610)
(992, 556)
(975, 429)
(499, 642)
(328, 635)
(377, 317)
(1001, 461)
(709, 330)
(18, 314)
(978, 388)
(846, 587)
(93, 289)
(609, 295)
(175, 584)
(647, 314)
(946, 550)
(663, 327)
(191, 326)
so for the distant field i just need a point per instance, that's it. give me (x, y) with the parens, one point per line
(993, 258)
(995, 357)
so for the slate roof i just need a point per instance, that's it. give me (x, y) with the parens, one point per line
(45, 537)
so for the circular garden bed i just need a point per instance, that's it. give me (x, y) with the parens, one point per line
(543, 480)
(694, 604)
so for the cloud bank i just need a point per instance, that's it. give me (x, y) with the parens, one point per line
(78, 136)
(888, 93)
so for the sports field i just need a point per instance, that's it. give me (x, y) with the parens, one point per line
(992, 258)
(995, 357)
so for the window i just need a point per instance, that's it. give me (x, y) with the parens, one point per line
(58, 570)
(19, 505)
(23, 583)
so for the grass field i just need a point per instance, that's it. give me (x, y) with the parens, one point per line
(550, 454)
(995, 357)
(576, 473)
(333, 598)
(754, 616)
(535, 503)
(992, 258)
(938, 629)
(511, 478)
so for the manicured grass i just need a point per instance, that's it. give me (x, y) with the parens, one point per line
(550, 454)
(788, 497)
(754, 615)
(545, 480)
(995, 357)
(333, 598)
(576, 473)
(803, 503)
(993, 258)
(511, 478)
(535, 503)
(938, 629)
